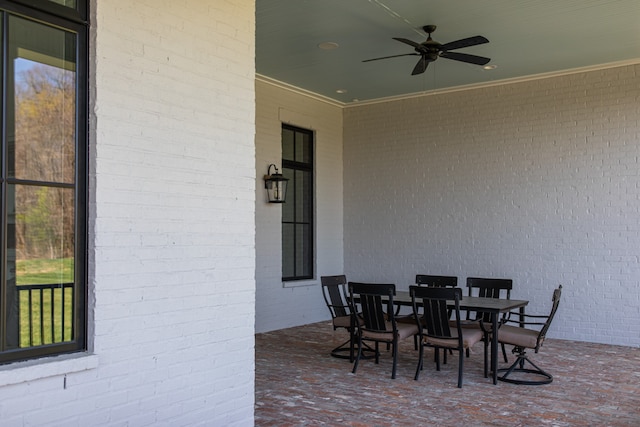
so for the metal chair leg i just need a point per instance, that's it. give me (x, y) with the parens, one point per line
(344, 347)
(460, 368)
(504, 353)
(420, 362)
(395, 358)
(518, 367)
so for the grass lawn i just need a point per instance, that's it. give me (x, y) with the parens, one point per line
(43, 271)
(46, 315)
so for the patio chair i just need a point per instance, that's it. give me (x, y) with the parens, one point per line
(487, 288)
(437, 282)
(437, 330)
(522, 338)
(378, 319)
(334, 291)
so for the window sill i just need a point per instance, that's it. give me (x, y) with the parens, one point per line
(31, 370)
(299, 283)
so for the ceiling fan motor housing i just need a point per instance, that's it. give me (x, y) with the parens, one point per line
(431, 55)
(429, 28)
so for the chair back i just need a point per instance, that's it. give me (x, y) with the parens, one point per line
(372, 298)
(488, 288)
(334, 291)
(435, 317)
(436, 281)
(554, 307)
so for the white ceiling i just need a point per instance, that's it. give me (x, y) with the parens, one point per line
(526, 38)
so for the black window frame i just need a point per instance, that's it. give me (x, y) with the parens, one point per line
(79, 14)
(289, 169)
(75, 21)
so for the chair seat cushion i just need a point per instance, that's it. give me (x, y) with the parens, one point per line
(410, 318)
(469, 324)
(344, 321)
(469, 338)
(405, 330)
(517, 336)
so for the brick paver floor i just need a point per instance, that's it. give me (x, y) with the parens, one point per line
(299, 384)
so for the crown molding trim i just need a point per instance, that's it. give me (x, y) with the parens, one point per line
(295, 89)
(501, 82)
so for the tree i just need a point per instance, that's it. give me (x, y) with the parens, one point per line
(44, 151)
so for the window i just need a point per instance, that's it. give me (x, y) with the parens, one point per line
(297, 211)
(43, 181)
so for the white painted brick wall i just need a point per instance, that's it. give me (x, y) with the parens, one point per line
(172, 224)
(536, 181)
(279, 307)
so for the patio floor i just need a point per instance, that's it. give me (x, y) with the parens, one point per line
(299, 384)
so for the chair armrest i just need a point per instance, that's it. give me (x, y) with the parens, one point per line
(525, 315)
(523, 319)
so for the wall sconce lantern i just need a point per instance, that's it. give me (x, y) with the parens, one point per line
(276, 185)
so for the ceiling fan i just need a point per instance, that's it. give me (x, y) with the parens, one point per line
(430, 50)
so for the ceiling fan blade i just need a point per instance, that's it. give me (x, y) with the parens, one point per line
(421, 66)
(392, 56)
(459, 44)
(409, 42)
(465, 57)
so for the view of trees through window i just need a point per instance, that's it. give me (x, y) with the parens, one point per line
(44, 220)
(44, 151)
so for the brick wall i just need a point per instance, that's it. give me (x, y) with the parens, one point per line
(281, 305)
(535, 181)
(172, 271)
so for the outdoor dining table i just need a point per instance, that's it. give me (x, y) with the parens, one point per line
(494, 306)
